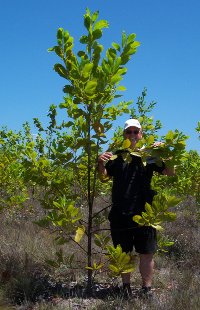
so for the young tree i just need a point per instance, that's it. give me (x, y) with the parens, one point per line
(13, 190)
(93, 83)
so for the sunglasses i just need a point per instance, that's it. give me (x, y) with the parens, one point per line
(132, 131)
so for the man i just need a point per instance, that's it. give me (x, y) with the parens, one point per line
(131, 190)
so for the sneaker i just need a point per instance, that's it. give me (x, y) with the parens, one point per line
(126, 290)
(145, 292)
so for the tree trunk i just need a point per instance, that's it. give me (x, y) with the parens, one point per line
(90, 211)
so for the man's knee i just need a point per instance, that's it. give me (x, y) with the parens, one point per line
(146, 257)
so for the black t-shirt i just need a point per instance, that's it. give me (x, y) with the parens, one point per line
(131, 183)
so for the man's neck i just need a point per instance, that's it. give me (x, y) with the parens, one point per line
(133, 145)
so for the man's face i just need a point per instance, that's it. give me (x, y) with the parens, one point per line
(134, 134)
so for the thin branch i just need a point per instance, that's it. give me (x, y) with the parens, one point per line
(100, 229)
(78, 245)
(95, 214)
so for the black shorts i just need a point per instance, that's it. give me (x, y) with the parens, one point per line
(129, 234)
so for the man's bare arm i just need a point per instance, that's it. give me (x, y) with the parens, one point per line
(169, 171)
(101, 162)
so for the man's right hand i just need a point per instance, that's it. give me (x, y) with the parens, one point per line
(104, 157)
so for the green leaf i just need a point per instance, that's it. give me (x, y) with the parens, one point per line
(168, 216)
(121, 88)
(128, 270)
(89, 268)
(157, 227)
(113, 157)
(98, 267)
(134, 45)
(113, 268)
(87, 69)
(87, 22)
(172, 201)
(60, 36)
(124, 59)
(97, 242)
(61, 70)
(97, 34)
(111, 52)
(116, 46)
(169, 136)
(123, 39)
(138, 154)
(66, 36)
(116, 79)
(122, 71)
(148, 209)
(51, 49)
(79, 234)
(68, 89)
(106, 67)
(95, 16)
(101, 24)
(58, 50)
(127, 157)
(84, 40)
(120, 262)
(126, 144)
(131, 38)
(138, 219)
(150, 140)
(90, 87)
(82, 54)
(98, 127)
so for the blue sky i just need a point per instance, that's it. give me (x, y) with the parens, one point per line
(167, 62)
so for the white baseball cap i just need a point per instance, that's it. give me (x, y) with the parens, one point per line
(132, 123)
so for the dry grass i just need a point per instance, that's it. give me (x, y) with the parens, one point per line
(26, 278)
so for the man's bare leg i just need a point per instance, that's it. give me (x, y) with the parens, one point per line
(126, 278)
(146, 269)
